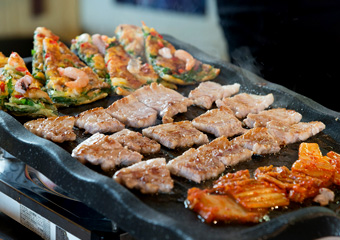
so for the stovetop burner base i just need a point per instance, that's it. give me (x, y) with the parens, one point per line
(47, 210)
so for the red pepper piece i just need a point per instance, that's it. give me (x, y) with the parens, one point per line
(181, 70)
(2, 86)
(21, 69)
(160, 43)
(18, 96)
(40, 35)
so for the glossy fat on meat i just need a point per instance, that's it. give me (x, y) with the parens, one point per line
(209, 160)
(196, 165)
(165, 101)
(219, 122)
(56, 129)
(227, 152)
(105, 151)
(208, 92)
(234, 154)
(178, 134)
(151, 176)
(281, 115)
(242, 104)
(258, 140)
(296, 132)
(132, 113)
(135, 141)
(98, 120)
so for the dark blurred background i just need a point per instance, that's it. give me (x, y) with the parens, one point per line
(291, 42)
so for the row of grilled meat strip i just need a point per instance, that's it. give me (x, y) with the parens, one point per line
(137, 110)
(267, 131)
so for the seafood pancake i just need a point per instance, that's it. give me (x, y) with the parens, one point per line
(98, 120)
(87, 51)
(117, 60)
(69, 80)
(165, 101)
(258, 140)
(136, 142)
(208, 92)
(132, 39)
(3, 92)
(281, 115)
(132, 113)
(151, 176)
(26, 97)
(56, 129)
(219, 122)
(176, 66)
(3, 60)
(38, 70)
(3, 87)
(106, 152)
(178, 134)
(242, 104)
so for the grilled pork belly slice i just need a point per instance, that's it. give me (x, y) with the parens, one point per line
(281, 115)
(98, 120)
(165, 101)
(151, 176)
(301, 131)
(227, 152)
(220, 207)
(258, 140)
(132, 113)
(105, 151)
(208, 92)
(242, 104)
(56, 129)
(234, 154)
(219, 122)
(136, 142)
(298, 186)
(178, 134)
(208, 160)
(196, 165)
(251, 193)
